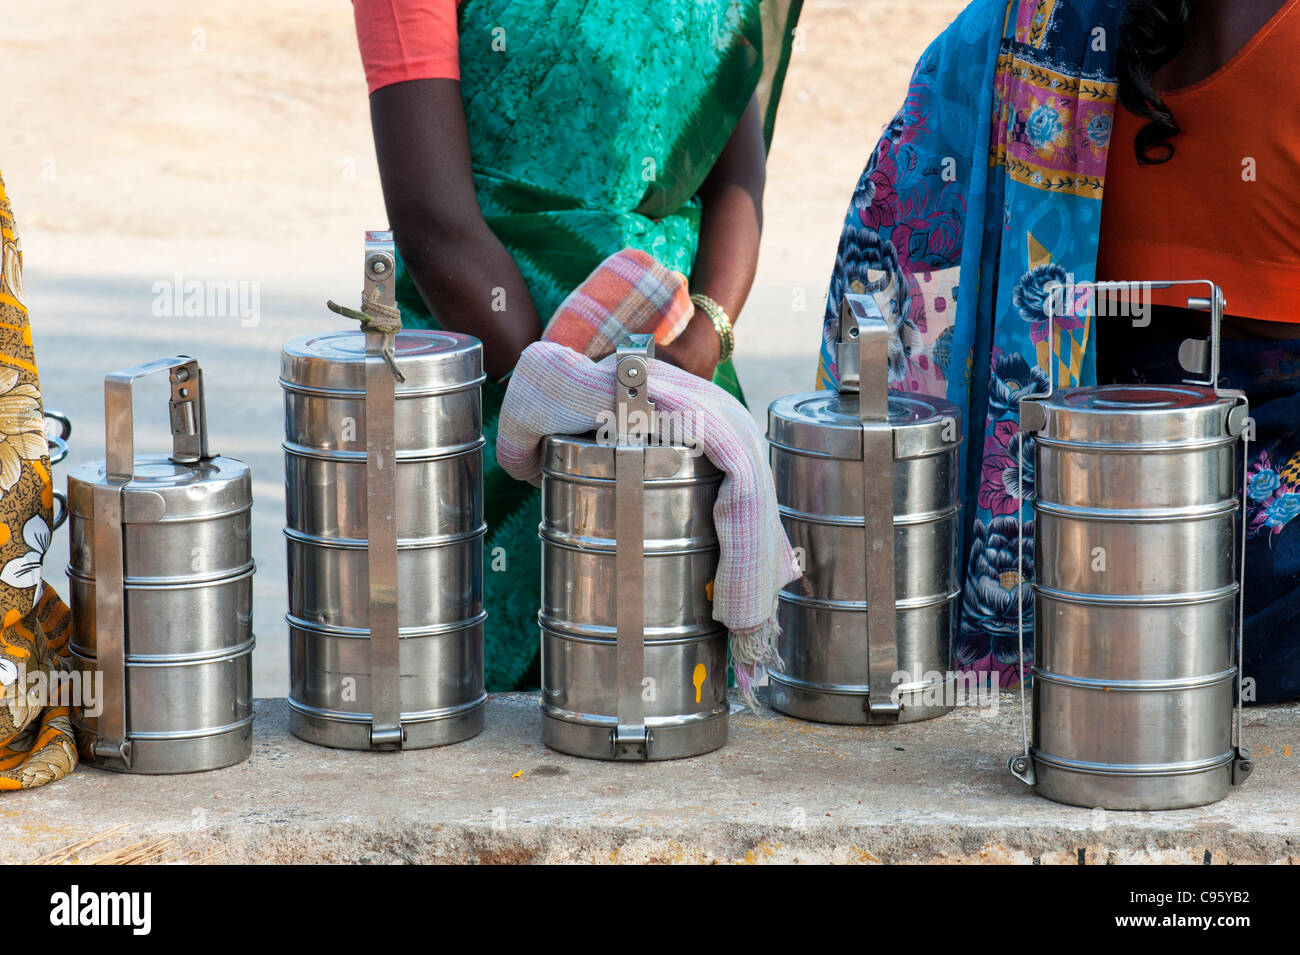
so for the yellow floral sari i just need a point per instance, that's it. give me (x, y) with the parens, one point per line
(36, 740)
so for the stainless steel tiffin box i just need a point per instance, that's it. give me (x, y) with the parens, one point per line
(634, 666)
(384, 529)
(1138, 523)
(161, 575)
(866, 479)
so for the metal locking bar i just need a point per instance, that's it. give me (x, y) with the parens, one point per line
(189, 430)
(1196, 356)
(862, 325)
(381, 508)
(1193, 356)
(630, 739)
(1242, 765)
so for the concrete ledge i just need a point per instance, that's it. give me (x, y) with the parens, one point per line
(780, 791)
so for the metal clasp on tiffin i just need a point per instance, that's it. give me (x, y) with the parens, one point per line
(189, 431)
(863, 360)
(630, 739)
(381, 506)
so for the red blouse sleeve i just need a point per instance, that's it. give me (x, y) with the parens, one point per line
(407, 40)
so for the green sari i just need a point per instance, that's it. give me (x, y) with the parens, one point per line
(592, 126)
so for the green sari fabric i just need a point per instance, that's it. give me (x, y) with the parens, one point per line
(592, 126)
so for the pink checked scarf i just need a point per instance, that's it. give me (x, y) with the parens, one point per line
(564, 384)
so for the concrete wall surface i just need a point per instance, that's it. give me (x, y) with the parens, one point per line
(780, 791)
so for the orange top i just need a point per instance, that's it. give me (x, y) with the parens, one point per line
(1226, 207)
(407, 40)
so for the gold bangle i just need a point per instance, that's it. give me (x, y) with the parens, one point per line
(721, 324)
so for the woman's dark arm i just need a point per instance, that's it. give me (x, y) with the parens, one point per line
(730, 227)
(463, 272)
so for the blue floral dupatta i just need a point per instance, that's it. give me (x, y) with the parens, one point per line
(986, 189)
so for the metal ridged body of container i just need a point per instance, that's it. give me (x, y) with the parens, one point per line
(579, 601)
(437, 429)
(1135, 595)
(833, 672)
(634, 667)
(171, 633)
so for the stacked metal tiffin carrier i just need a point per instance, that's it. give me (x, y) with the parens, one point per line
(1139, 525)
(866, 479)
(634, 667)
(161, 576)
(384, 514)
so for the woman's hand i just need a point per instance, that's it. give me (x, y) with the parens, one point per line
(697, 349)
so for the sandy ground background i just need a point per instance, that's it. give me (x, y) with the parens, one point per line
(222, 140)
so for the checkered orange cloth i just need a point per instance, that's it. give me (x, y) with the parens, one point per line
(564, 384)
(630, 293)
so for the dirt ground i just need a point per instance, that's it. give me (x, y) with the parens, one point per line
(233, 138)
(229, 141)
